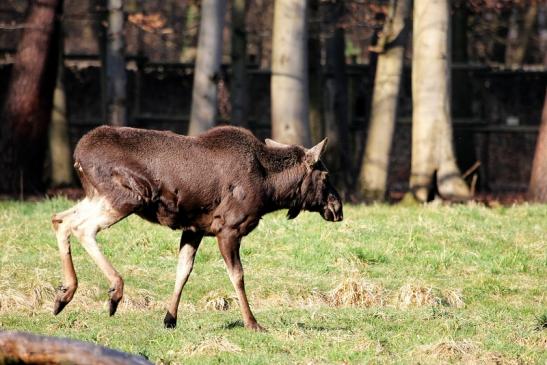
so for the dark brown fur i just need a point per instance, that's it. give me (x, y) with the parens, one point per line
(220, 183)
(224, 178)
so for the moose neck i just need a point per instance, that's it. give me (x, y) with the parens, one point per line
(285, 172)
(284, 187)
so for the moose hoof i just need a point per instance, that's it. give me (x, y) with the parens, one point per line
(113, 306)
(64, 296)
(255, 327)
(59, 306)
(169, 321)
(115, 298)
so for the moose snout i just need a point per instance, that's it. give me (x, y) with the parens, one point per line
(332, 211)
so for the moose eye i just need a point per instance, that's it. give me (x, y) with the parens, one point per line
(320, 166)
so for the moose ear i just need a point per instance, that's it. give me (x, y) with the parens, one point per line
(272, 143)
(314, 153)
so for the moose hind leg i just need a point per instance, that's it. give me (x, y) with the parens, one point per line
(97, 214)
(61, 226)
(189, 243)
(229, 248)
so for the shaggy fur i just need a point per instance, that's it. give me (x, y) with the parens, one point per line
(224, 177)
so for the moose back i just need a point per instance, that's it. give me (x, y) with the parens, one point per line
(217, 184)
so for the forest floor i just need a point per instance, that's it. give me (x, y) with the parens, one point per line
(390, 284)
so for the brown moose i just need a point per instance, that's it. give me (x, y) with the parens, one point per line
(217, 184)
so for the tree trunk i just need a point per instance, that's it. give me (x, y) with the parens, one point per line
(336, 100)
(432, 148)
(375, 165)
(59, 141)
(27, 112)
(289, 81)
(538, 182)
(191, 19)
(116, 76)
(315, 72)
(239, 83)
(542, 27)
(26, 348)
(519, 35)
(207, 70)
(460, 27)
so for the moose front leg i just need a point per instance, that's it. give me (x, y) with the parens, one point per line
(189, 243)
(229, 243)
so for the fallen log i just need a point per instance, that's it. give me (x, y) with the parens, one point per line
(27, 348)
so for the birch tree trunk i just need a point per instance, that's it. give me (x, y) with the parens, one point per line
(239, 83)
(116, 75)
(538, 182)
(59, 141)
(27, 111)
(289, 81)
(207, 69)
(375, 164)
(432, 148)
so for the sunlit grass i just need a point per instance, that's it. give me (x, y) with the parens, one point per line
(389, 284)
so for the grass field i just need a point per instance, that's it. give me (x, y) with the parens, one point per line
(390, 284)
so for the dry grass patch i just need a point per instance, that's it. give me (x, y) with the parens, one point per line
(41, 297)
(411, 295)
(537, 340)
(213, 346)
(32, 299)
(356, 292)
(214, 301)
(450, 349)
(140, 300)
(453, 298)
(465, 352)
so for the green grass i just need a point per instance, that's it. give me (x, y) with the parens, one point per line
(495, 260)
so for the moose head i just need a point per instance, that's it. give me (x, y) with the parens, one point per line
(316, 193)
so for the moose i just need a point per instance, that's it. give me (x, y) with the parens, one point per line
(218, 184)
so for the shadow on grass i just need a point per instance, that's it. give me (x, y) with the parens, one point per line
(233, 324)
(321, 328)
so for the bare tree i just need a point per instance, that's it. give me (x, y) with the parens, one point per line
(315, 73)
(336, 98)
(538, 181)
(207, 70)
(239, 82)
(519, 33)
(190, 22)
(27, 111)
(542, 27)
(391, 45)
(289, 82)
(116, 75)
(59, 141)
(432, 146)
